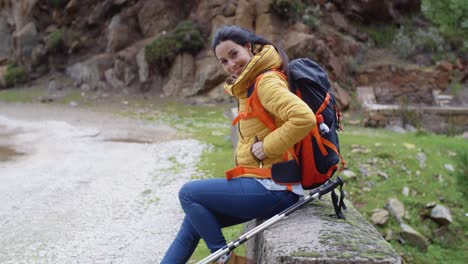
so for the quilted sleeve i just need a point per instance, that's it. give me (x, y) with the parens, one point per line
(298, 119)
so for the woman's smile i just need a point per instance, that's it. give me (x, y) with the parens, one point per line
(237, 71)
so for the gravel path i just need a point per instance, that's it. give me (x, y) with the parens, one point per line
(88, 187)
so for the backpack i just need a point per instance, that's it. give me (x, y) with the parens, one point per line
(317, 156)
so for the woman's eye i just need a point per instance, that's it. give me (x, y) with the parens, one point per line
(223, 62)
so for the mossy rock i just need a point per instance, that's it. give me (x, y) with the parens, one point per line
(311, 235)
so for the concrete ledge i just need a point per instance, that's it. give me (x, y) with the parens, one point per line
(437, 118)
(310, 235)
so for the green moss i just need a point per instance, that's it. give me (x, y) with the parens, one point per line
(15, 74)
(55, 40)
(61, 39)
(304, 254)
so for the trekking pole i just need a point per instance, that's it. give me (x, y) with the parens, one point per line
(325, 188)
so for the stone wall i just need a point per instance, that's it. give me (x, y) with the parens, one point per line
(435, 118)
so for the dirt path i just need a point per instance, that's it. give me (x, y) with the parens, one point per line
(83, 187)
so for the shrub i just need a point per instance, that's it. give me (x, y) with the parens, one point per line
(15, 75)
(186, 37)
(161, 53)
(55, 40)
(291, 10)
(429, 40)
(189, 37)
(451, 18)
(311, 16)
(61, 39)
(403, 44)
(382, 35)
(408, 43)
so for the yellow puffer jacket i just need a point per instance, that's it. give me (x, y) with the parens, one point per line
(292, 116)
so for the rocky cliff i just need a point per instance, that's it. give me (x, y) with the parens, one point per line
(102, 45)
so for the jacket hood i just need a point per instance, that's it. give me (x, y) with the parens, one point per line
(266, 58)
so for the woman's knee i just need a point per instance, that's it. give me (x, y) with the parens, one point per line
(186, 193)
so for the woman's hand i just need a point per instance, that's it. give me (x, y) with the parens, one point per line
(257, 150)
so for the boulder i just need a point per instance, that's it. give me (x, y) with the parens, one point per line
(22, 12)
(132, 62)
(120, 34)
(157, 16)
(112, 79)
(143, 68)
(310, 235)
(396, 208)
(24, 42)
(298, 44)
(379, 216)
(181, 76)
(98, 13)
(5, 38)
(2, 74)
(413, 237)
(421, 157)
(91, 71)
(348, 174)
(208, 76)
(441, 215)
(268, 25)
(245, 13)
(343, 99)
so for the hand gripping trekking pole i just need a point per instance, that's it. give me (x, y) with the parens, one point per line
(327, 187)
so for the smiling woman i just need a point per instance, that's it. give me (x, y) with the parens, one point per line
(248, 192)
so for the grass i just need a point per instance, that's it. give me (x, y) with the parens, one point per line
(34, 95)
(395, 155)
(20, 95)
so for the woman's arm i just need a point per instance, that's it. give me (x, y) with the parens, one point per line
(298, 118)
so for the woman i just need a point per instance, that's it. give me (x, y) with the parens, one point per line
(212, 204)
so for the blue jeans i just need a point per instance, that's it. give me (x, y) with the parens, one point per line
(212, 204)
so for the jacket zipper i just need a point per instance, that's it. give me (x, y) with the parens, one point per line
(238, 123)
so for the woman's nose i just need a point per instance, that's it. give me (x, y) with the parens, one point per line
(231, 65)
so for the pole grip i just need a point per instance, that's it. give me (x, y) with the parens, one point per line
(328, 186)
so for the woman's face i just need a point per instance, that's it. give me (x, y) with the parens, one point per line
(233, 57)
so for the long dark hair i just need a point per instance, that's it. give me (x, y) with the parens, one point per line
(242, 36)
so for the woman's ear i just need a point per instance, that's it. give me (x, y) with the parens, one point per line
(250, 46)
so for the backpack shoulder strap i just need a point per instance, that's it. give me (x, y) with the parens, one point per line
(254, 107)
